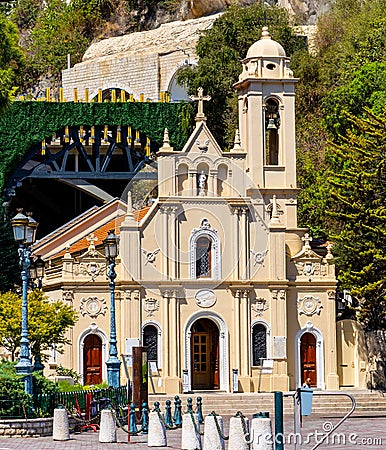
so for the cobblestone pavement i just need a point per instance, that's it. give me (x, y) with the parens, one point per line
(368, 433)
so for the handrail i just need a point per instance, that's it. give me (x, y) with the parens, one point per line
(353, 405)
(347, 415)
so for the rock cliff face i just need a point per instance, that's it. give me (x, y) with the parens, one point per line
(306, 11)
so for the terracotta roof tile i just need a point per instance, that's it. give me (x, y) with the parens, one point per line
(101, 233)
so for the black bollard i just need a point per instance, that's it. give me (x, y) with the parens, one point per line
(199, 410)
(168, 414)
(145, 418)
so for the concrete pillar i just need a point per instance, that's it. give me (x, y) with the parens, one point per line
(107, 430)
(61, 431)
(190, 440)
(261, 433)
(157, 431)
(237, 438)
(212, 438)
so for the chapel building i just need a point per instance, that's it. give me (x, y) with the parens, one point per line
(215, 277)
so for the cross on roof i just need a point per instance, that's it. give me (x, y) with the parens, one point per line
(307, 239)
(92, 239)
(265, 19)
(200, 98)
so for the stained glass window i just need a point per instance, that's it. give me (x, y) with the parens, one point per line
(203, 257)
(150, 340)
(259, 344)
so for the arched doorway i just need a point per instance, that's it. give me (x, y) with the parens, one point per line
(92, 360)
(205, 367)
(308, 358)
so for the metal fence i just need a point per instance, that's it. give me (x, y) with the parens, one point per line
(43, 405)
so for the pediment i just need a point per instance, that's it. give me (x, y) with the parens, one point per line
(306, 254)
(202, 141)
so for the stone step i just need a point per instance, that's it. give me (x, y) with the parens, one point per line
(229, 404)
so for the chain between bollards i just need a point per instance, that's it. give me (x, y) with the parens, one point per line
(161, 418)
(214, 414)
(247, 435)
(201, 433)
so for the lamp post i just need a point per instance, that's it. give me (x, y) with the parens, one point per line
(113, 363)
(36, 271)
(24, 231)
(36, 274)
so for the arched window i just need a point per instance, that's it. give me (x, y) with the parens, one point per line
(259, 344)
(272, 124)
(222, 176)
(205, 252)
(182, 179)
(150, 340)
(203, 257)
(178, 92)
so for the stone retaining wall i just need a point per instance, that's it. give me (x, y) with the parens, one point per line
(26, 427)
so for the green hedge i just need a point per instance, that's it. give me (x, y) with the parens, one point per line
(27, 123)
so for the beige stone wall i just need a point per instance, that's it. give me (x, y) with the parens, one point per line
(138, 62)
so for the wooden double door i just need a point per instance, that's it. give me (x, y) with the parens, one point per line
(308, 358)
(205, 355)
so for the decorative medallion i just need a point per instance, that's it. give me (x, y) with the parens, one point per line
(205, 298)
(92, 269)
(151, 306)
(260, 306)
(309, 305)
(258, 257)
(93, 306)
(68, 296)
(150, 256)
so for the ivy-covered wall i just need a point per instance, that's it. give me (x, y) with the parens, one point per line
(27, 123)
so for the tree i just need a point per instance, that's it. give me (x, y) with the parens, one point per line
(9, 260)
(365, 89)
(62, 29)
(220, 50)
(11, 60)
(357, 178)
(47, 322)
(344, 74)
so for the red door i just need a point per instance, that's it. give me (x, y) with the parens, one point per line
(92, 360)
(308, 358)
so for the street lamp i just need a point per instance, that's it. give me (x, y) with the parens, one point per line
(36, 274)
(113, 363)
(36, 271)
(24, 232)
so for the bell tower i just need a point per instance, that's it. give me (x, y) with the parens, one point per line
(266, 97)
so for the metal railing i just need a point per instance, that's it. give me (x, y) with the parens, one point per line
(297, 414)
(43, 405)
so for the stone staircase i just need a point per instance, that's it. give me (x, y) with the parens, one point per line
(367, 403)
